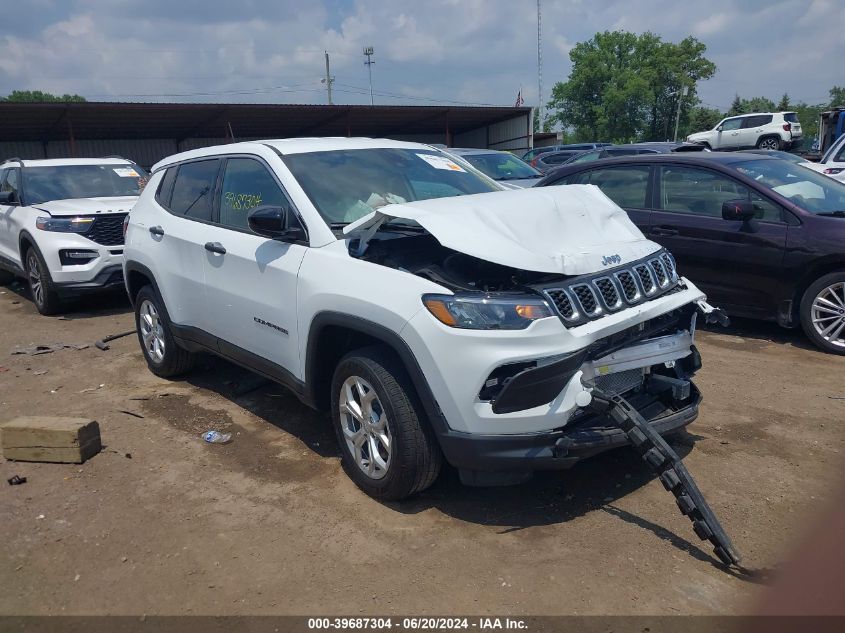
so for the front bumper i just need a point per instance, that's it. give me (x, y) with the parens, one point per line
(561, 448)
(108, 277)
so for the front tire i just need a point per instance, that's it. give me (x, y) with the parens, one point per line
(823, 312)
(164, 357)
(770, 143)
(40, 283)
(387, 447)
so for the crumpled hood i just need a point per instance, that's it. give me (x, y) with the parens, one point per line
(570, 230)
(88, 206)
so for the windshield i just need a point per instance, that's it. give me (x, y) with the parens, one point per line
(68, 182)
(501, 166)
(813, 192)
(346, 185)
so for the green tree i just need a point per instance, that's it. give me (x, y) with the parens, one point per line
(702, 119)
(36, 96)
(624, 87)
(837, 96)
(736, 107)
(783, 104)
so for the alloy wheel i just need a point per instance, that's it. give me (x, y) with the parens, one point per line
(365, 428)
(152, 331)
(769, 143)
(828, 314)
(36, 285)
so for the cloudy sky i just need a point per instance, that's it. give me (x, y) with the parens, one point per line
(438, 51)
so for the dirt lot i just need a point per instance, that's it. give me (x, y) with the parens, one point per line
(269, 524)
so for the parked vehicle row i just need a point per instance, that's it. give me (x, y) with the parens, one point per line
(502, 167)
(435, 313)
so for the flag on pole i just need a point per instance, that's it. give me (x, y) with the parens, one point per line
(519, 100)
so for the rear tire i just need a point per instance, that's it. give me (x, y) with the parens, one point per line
(164, 357)
(41, 287)
(823, 312)
(387, 446)
(770, 143)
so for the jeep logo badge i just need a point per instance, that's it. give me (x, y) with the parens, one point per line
(607, 260)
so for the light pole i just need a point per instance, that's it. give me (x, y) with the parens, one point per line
(678, 113)
(368, 51)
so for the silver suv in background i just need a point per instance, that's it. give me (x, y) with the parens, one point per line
(761, 130)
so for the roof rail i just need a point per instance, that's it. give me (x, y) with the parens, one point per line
(13, 159)
(118, 156)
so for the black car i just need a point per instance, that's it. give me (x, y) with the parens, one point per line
(763, 237)
(552, 160)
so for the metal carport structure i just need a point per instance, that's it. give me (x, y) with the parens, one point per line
(146, 132)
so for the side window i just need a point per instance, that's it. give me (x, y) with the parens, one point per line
(194, 188)
(246, 185)
(732, 124)
(702, 192)
(11, 183)
(165, 186)
(626, 186)
(757, 121)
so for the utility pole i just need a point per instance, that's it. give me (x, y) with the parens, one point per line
(328, 79)
(678, 113)
(539, 67)
(368, 51)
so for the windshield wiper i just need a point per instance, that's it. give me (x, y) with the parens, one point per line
(835, 214)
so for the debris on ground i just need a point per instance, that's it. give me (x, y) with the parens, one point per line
(46, 348)
(40, 372)
(90, 389)
(132, 413)
(16, 480)
(3, 369)
(50, 439)
(102, 344)
(215, 437)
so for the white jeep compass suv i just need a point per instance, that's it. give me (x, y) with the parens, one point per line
(761, 130)
(434, 314)
(61, 224)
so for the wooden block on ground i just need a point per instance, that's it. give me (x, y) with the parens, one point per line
(49, 439)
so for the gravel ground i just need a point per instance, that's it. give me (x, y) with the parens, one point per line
(162, 523)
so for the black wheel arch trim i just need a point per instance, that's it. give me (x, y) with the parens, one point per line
(385, 335)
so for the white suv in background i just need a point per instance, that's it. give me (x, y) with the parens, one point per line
(434, 314)
(61, 224)
(761, 130)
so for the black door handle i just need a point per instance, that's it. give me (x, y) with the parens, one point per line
(663, 232)
(215, 247)
(156, 230)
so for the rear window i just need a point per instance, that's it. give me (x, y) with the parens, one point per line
(791, 117)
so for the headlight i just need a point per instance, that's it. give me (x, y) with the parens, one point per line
(64, 225)
(487, 312)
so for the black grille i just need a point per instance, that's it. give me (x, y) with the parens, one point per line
(657, 267)
(586, 298)
(645, 277)
(562, 303)
(107, 229)
(608, 292)
(669, 264)
(629, 286)
(577, 299)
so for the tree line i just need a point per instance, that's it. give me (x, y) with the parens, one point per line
(626, 87)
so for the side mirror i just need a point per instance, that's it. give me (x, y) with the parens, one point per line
(8, 198)
(277, 223)
(738, 210)
(718, 128)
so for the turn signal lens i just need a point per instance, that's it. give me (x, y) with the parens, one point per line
(440, 311)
